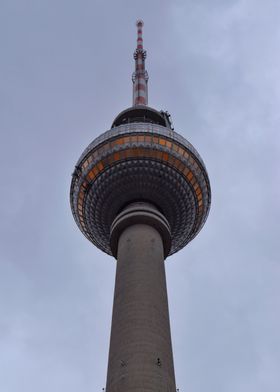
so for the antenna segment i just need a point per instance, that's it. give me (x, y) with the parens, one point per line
(140, 76)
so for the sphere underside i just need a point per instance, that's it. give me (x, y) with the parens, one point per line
(140, 162)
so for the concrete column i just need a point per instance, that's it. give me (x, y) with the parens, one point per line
(140, 357)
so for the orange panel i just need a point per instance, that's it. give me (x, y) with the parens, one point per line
(190, 175)
(193, 180)
(177, 163)
(148, 152)
(90, 175)
(110, 159)
(100, 165)
(171, 159)
(120, 141)
(125, 153)
(158, 154)
(181, 166)
(155, 139)
(181, 151)
(116, 156)
(168, 144)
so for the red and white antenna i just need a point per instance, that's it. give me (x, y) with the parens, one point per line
(140, 76)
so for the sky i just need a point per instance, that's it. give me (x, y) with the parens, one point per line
(65, 73)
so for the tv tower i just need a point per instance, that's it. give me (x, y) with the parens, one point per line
(140, 192)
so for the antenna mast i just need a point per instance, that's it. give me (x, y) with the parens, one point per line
(140, 76)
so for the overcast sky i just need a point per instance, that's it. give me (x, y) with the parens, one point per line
(65, 72)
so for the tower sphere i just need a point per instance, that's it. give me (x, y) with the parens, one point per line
(141, 158)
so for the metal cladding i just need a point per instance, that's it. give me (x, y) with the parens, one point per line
(141, 158)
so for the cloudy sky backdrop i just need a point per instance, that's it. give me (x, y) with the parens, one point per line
(65, 73)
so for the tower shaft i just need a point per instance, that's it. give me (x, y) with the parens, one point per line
(140, 76)
(140, 357)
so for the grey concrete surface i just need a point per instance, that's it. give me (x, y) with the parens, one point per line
(140, 357)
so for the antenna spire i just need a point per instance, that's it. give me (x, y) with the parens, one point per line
(140, 76)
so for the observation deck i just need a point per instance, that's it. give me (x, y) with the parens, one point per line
(141, 158)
